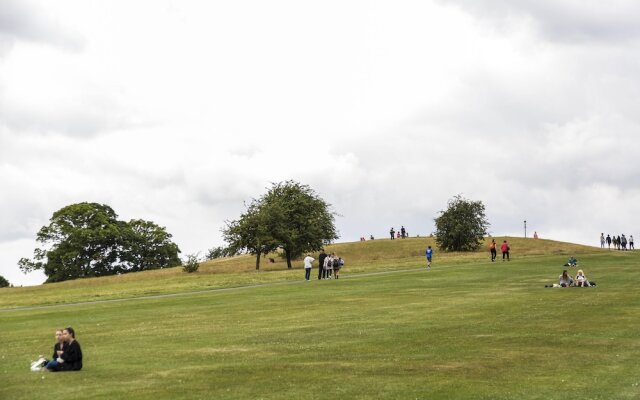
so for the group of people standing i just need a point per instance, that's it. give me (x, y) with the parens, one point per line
(67, 354)
(402, 233)
(619, 243)
(329, 266)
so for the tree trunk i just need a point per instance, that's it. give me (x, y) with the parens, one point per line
(288, 253)
(258, 260)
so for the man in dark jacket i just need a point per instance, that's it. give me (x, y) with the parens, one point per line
(321, 258)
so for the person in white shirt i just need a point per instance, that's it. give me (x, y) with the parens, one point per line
(582, 280)
(307, 267)
(328, 267)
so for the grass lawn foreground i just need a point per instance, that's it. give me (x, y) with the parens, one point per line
(467, 329)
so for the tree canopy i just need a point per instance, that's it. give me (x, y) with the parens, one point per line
(290, 216)
(462, 226)
(4, 282)
(87, 239)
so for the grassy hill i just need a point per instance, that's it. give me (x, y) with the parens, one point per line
(361, 257)
(467, 329)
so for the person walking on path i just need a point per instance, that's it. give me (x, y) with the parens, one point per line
(429, 254)
(321, 258)
(492, 248)
(307, 267)
(623, 242)
(392, 233)
(403, 232)
(602, 240)
(609, 241)
(505, 250)
(631, 243)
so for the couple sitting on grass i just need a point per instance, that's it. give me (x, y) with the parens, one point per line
(565, 280)
(67, 355)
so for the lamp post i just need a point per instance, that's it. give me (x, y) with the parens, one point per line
(525, 228)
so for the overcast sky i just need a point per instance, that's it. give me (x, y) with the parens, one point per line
(179, 111)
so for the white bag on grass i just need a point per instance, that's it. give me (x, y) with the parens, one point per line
(38, 364)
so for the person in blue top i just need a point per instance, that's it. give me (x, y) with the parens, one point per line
(429, 254)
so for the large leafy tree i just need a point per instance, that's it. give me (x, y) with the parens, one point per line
(462, 226)
(304, 221)
(86, 239)
(4, 282)
(147, 246)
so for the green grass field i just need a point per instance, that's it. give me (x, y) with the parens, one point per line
(467, 329)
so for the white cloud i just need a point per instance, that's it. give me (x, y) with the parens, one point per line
(180, 112)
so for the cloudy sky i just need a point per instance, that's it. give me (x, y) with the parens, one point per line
(179, 111)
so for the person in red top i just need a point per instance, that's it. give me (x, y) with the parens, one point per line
(505, 250)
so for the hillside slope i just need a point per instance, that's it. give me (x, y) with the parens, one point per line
(360, 257)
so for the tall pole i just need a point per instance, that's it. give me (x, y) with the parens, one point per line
(525, 228)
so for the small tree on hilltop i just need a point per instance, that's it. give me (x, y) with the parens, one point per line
(462, 226)
(3, 282)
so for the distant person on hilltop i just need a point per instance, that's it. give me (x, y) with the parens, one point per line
(492, 249)
(623, 242)
(392, 233)
(403, 232)
(619, 243)
(505, 250)
(609, 241)
(535, 234)
(429, 254)
(631, 243)
(602, 240)
(371, 237)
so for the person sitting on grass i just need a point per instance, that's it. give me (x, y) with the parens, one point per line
(573, 262)
(71, 359)
(58, 350)
(565, 279)
(582, 280)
